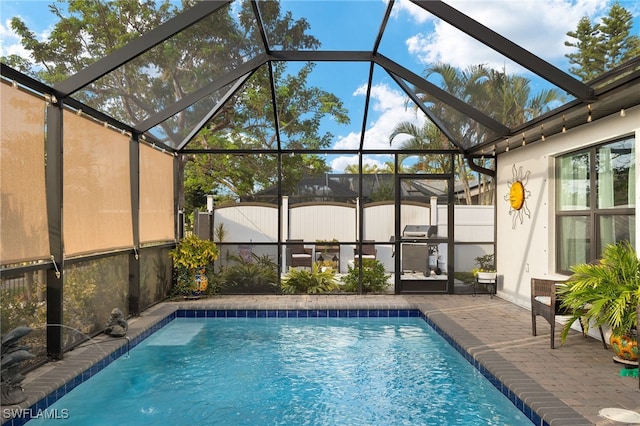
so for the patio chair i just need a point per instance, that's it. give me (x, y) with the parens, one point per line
(546, 303)
(369, 251)
(298, 255)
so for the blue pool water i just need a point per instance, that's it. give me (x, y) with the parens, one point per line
(289, 371)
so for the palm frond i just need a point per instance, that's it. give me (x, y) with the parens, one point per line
(607, 292)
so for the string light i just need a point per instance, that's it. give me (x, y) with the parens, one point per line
(623, 113)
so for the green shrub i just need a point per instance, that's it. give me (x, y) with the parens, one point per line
(193, 253)
(374, 278)
(312, 281)
(260, 275)
(606, 292)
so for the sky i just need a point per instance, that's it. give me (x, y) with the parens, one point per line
(412, 38)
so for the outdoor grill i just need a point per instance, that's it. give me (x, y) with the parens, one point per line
(418, 233)
(416, 247)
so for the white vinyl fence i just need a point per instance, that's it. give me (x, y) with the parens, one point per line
(250, 223)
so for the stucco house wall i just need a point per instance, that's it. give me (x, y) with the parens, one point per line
(527, 249)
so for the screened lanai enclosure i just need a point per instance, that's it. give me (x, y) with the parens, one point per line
(253, 124)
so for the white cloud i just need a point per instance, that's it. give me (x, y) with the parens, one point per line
(539, 26)
(388, 106)
(37, 20)
(405, 6)
(9, 41)
(340, 163)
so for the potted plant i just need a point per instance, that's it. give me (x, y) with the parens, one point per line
(191, 257)
(486, 268)
(607, 293)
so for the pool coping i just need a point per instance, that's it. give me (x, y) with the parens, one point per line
(49, 383)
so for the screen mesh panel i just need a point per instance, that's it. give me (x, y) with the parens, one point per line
(97, 195)
(23, 205)
(156, 196)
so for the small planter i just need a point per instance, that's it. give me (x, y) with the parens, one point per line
(201, 281)
(625, 347)
(487, 276)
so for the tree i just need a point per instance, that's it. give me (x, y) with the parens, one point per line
(602, 47)
(506, 98)
(590, 56)
(367, 169)
(89, 30)
(247, 122)
(426, 138)
(620, 45)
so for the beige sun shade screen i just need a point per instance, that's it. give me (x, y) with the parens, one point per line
(97, 195)
(156, 196)
(23, 222)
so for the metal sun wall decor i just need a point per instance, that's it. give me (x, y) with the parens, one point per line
(518, 195)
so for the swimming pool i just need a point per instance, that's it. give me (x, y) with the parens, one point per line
(290, 371)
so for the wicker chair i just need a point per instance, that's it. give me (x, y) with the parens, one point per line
(545, 303)
(298, 255)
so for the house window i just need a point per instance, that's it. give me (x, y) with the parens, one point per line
(595, 202)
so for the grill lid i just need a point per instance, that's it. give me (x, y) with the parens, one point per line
(419, 231)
